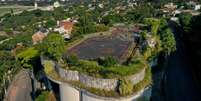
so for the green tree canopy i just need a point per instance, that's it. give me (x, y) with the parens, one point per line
(52, 46)
(168, 41)
(154, 23)
(185, 21)
(27, 57)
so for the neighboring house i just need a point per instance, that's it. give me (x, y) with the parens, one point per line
(170, 6)
(56, 4)
(197, 7)
(176, 12)
(65, 28)
(39, 36)
(35, 5)
(174, 18)
(101, 5)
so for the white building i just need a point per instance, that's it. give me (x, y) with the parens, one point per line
(56, 4)
(197, 7)
(65, 28)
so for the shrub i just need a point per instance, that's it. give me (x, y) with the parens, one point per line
(72, 60)
(46, 96)
(101, 28)
(28, 57)
(108, 61)
(48, 66)
(125, 87)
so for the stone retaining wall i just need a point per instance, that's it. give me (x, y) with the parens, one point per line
(100, 83)
(136, 78)
(108, 84)
(68, 74)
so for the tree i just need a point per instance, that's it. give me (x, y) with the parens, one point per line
(28, 57)
(51, 23)
(154, 23)
(52, 46)
(101, 28)
(72, 60)
(185, 21)
(139, 13)
(86, 24)
(168, 41)
(46, 96)
(59, 13)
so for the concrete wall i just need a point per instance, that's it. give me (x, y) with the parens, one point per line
(86, 96)
(68, 93)
(89, 81)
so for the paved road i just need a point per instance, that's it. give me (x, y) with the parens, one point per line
(20, 89)
(178, 83)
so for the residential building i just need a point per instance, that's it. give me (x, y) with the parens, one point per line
(65, 28)
(39, 36)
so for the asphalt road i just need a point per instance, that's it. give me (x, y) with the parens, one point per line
(20, 89)
(179, 84)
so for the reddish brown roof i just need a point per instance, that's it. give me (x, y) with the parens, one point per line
(68, 25)
(37, 37)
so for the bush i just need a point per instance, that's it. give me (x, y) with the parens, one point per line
(28, 57)
(73, 60)
(48, 66)
(125, 87)
(108, 61)
(46, 96)
(3, 37)
(92, 68)
(101, 28)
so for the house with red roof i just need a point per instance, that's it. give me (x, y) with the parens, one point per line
(39, 36)
(65, 28)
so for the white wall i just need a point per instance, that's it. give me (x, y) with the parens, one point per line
(68, 93)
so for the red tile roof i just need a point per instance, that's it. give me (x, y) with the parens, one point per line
(37, 37)
(68, 25)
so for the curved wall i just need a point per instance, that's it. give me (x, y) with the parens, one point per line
(68, 93)
(100, 83)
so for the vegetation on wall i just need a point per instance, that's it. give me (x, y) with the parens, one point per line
(125, 87)
(46, 96)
